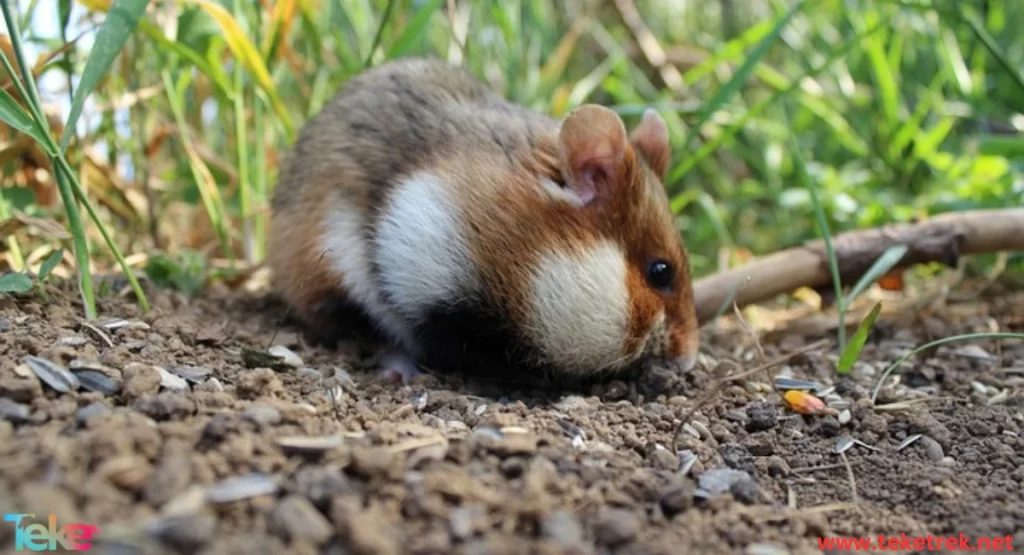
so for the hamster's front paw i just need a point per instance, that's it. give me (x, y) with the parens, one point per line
(396, 365)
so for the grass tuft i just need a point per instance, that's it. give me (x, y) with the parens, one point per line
(789, 120)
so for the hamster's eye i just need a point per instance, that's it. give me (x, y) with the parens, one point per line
(660, 274)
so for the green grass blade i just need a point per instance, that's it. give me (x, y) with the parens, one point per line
(384, 19)
(67, 195)
(121, 21)
(889, 259)
(853, 349)
(823, 229)
(1008, 146)
(993, 47)
(414, 30)
(16, 117)
(50, 263)
(76, 189)
(711, 146)
(733, 86)
(936, 343)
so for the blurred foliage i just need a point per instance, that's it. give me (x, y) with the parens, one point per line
(901, 109)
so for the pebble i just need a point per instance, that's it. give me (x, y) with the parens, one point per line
(12, 411)
(562, 527)
(461, 521)
(261, 414)
(186, 533)
(298, 519)
(717, 481)
(515, 445)
(738, 457)
(932, 449)
(20, 388)
(676, 499)
(140, 379)
(762, 416)
(615, 527)
(90, 411)
(663, 459)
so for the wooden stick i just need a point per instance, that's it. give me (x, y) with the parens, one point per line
(943, 238)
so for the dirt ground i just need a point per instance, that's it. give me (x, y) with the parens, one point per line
(175, 436)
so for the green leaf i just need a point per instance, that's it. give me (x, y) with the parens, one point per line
(733, 86)
(50, 263)
(415, 30)
(15, 283)
(853, 348)
(886, 262)
(16, 117)
(121, 21)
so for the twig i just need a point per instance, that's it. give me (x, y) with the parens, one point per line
(723, 381)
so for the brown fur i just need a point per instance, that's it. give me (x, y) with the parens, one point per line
(414, 114)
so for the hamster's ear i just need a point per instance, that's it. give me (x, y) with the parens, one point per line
(593, 148)
(650, 138)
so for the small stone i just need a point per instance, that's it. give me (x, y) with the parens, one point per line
(759, 445)
(166, 406)
(190, 501)
(563, 528)
(720, 480)
(461, 521)
(738, 457)
(20, 389)
(663, 459)
(827, 426)
(512, 445)
(128, 472)
(676, 499)
(844, 417)
(298, 519)
(140, 379)
(615, 527)
(778, 467)
(14, 412)
(186, 533)
(261, 414)
(89, 412)
(762, 416)
(932, 449)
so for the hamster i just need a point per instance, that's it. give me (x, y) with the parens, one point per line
(472, 234)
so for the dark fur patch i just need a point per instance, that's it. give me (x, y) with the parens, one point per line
(472, 337)
(338, 318)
